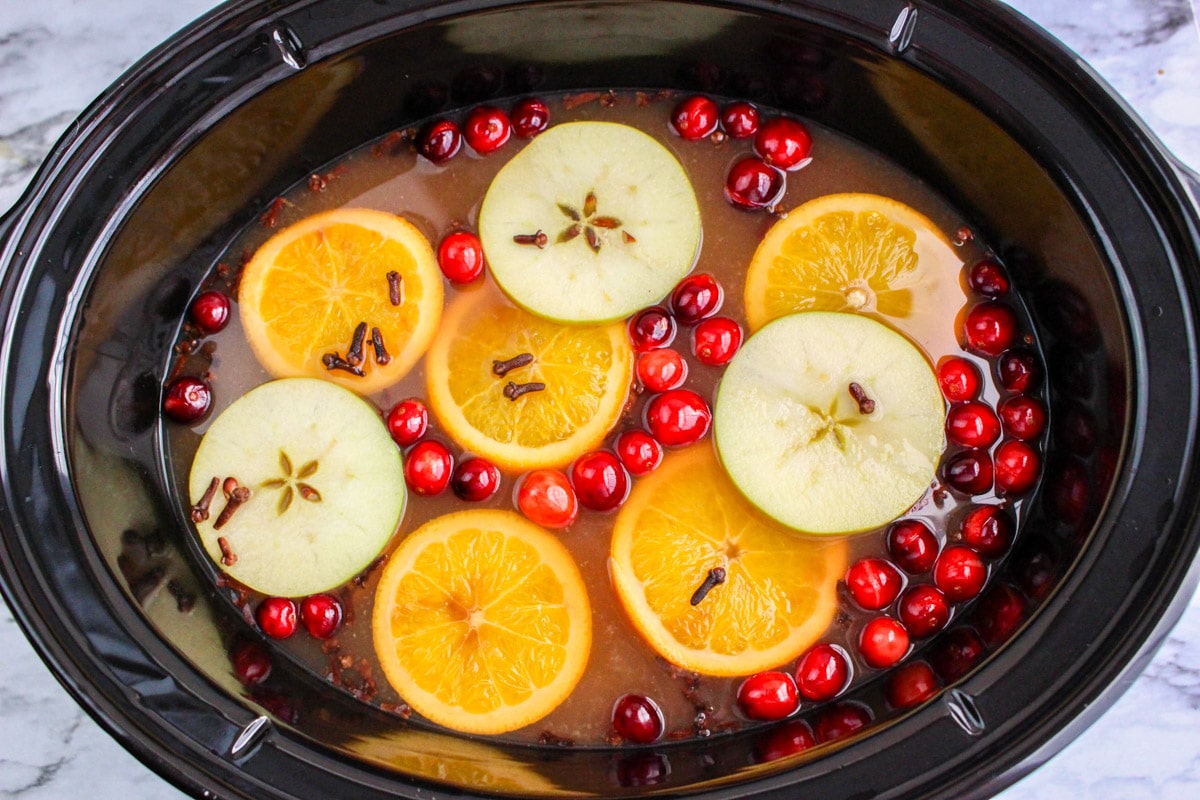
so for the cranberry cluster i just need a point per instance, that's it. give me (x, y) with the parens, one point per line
(781, 145)
(279, 617)
(485, 129)
(188, 398)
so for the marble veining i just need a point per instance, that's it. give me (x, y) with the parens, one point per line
(57, 56)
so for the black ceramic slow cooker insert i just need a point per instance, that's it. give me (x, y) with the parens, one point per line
(136, 202)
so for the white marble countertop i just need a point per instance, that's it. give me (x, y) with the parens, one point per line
(57, 55)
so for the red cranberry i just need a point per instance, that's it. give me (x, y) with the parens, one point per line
(912, 685)
(999, 613)
(768, 696)
(661, 370)
(783, 142)
(786, 740)
(960, 573)
(187, 399)
(1024, 417)
(407, 421)
(841, 721)
(276, 617)
(440, 141)
(460, 255)
(651, 328)
(678, 417)
(529, 117)
(959, 379)
(956, 653)
(1017, 467)
(716, 340)
(321, 614)
(991, 328)
(912, 545)
(883, 642)
(637, 719)
(753, 184)
(988, 530)
(822, 673)
(475, 479)
(210, 312)
(924, 610)
(740, 119)
(696, 297)
(1018, 371)
(972, 424)
(486, 129)
(639, 452)
(251, 662)
(600, 481)
(970, 472)
(988, 278)
(873, 583)
(695, 117)
(545, 496)
(428, 467)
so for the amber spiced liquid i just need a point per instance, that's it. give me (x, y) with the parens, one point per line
(917, 573)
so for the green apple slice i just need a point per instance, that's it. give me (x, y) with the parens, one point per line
(325, 480)
(830, 423)
(589, 223)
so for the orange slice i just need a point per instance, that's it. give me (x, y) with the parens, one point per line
(309, 286)
(863, 253)
(685, 520)
(585, 370)
(482, 621)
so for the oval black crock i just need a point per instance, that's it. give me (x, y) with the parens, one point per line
(138, 199)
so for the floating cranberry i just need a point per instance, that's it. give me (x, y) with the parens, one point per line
(956, 653)
(988, 530)
(716, 340)
(651, 328)
(661, 370)
(1018, 370)
(187, 399)
(276, 617)
(600, 481)
(678, 417)
(999, 613)
(475, 480)
(740, 119)
(1023, 417)
(768, 696)
(695, 117)
(924, 610)
(696, 297)
(783, 142)
(841, 721)
(786, 740)
(988, 278)
(753, 184)
(822, 673)
(639, 452)
(440, 141)
(251, 662)
(321, 614)
(883, 642)
(407, 421)
(959, 379)
(991, 328)
(972, 424)
(912, 685)
(912, 545)
(969, 472)
(960, 573)
(1017, 467)
(873, 583)
(529, 117)
(428, 467)
(486, 129)
(637, 719)
(460, 255)
(210, 312)
(545, 496)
